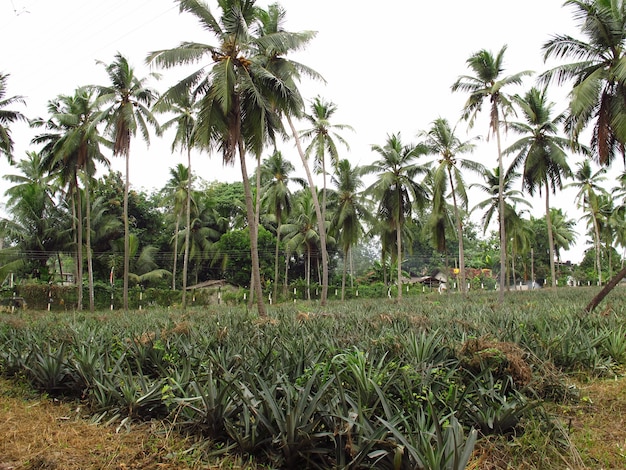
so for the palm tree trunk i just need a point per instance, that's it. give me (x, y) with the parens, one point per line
(605, 291)
(383, 266)
(399, 258)
(250, 215)
(550, 237)
(318, 212)
(610, 256)
(507, 275)
(324, 187)
(257, 211)
(501, 210)
(126, 235)
(188, 231)
(596, 230)
(79, 246)
(343, 276)
(459, 231)
(351, 270)
(285, 280)
(513, 267)
(317, 265)
(252, 283)
(323, 191)
(276, 255)
(176, 228)
(308, 272)
(447, 270)
(92, 300)
(532, 268)
(60, 268)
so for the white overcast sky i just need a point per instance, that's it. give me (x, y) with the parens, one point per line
(388, 66)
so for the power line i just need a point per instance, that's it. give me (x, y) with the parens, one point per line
(85, 17)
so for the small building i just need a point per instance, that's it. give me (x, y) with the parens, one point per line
(436, 280)
(208, 284)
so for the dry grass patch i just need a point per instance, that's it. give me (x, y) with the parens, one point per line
(478, 354)
(597, 424)
(42, 433)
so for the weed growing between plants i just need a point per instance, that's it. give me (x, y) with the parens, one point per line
(430, 383)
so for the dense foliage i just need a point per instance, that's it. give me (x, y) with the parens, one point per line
(269, 231)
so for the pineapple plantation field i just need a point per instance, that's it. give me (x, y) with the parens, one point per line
(433, 381)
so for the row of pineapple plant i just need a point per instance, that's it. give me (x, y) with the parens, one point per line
(362, 385)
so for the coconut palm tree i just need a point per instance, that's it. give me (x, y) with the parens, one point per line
(324, 138)
(71, 149)
(589, 191)
(615, 280)
(441, 140)
(441, 217)
(8, 117)
(243, 92)
(31, 174)
(598, 95)
(143, 268)
(301, 232)
(491, 205)
(184, 107)
(33, 225)
(277, 197)
(610, 223)
(128, 100)
(620, 189)
(291, 106)
(609, 213)
(520, 236)
(540, 152)
(206, 227)
(489, 84)
(619, 192)
(106, 227)
(512, 197)
(349, 209)
(321, 223)
(562, 231)
(396, 187)
(177, 191)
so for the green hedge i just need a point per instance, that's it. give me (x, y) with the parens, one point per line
(61, 298)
